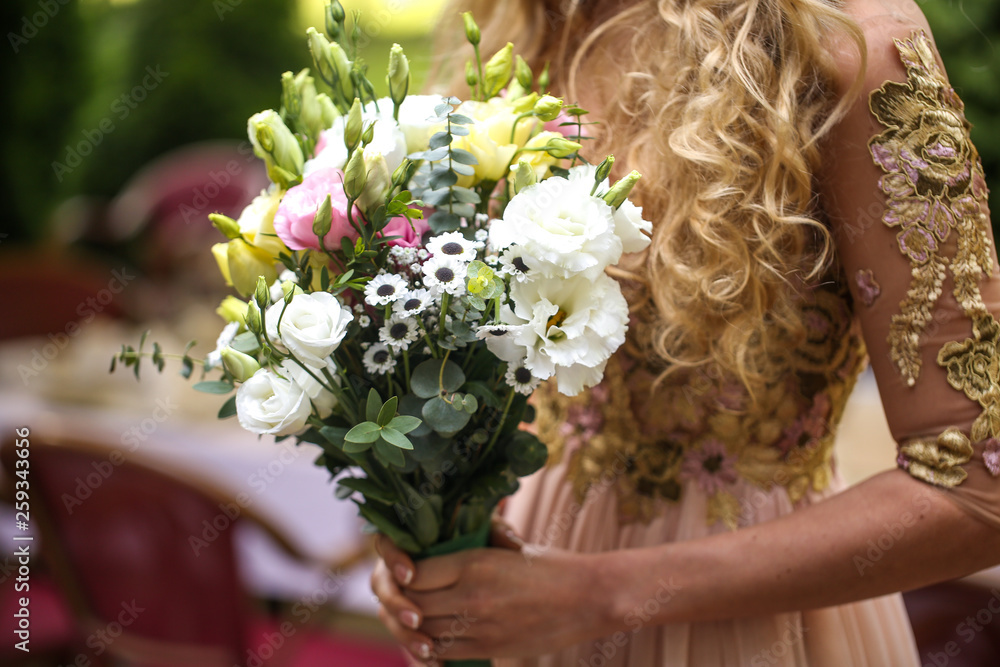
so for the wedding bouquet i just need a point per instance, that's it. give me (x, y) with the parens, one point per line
(417, 267)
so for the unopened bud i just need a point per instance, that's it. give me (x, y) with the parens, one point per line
(498, 70)
(544, 80)
(471, 76)
(604, 169)
(253, 318)
(354, 176)
(368, 134)
(229, 227)
(335, 16)
(262, 294)
(323, 219)
(548, 108)
(619, 192)
(328, 111)
(471, 29)
(524, 175)
(240, 366)
(399, 75)
(403, 173)
(290, 102)
(560, 147)
(274, 143)
(523, 73)
(352, 126)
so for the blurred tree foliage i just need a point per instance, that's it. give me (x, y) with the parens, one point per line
(967, 33)
(79, 72)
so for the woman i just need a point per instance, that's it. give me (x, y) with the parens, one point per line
(814, 192)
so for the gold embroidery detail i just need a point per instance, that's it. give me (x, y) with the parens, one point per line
(974, 368)
(934, 183)
(939, 461)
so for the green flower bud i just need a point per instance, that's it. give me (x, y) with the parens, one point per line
(403, 173)
(355, 175)
(522, 104)
(253, 318)
(262, 295)
(274, 143)
(548, 108)
(471, 29)
(289, 290)
(310, 111)
(229, 227)
(327, 110)
(323, 219)
(399, 75)
(544, 80)
(368, 134)
(240, 366)
(290, 102)
(561, 147)
(524, 175)
(352, 126)
(619, 192)
(330, 60)
(522, 72)
(604, 169)
(471, 76)
(335, 16)
(498, 70)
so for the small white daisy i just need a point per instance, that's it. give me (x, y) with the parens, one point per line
(384, 289)
(398, 332)
(481, 234)
(364, 321)
(422, 254)
(482, 219)
(521, 379)
(512, 263)
(453, 245)
(445, 274)
(378, 359)
(413, 302)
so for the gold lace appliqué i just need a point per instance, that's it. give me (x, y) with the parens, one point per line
(934, 184)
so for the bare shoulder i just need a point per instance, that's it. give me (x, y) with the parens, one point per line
(881, 23)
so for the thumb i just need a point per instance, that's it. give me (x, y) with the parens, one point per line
(503, 536)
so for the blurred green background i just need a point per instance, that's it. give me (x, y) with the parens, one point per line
(70, 62)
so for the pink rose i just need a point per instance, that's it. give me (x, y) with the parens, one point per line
(293, 222)
(408, 238)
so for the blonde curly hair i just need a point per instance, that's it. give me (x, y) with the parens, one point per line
(721, 105)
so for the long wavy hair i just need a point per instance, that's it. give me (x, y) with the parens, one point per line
(721, 105)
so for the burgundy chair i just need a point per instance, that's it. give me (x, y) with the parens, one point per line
(147, 582)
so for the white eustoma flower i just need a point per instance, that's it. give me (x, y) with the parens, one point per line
(563, 328)
(312, 381)
(312, 326)
(415, 114)
(563, 228)
(630, 225)
(226, 336)
(269, 404)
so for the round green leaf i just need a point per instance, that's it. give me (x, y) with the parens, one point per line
(443, 418)
(428, 381)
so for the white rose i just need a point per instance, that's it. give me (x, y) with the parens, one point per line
(630, 225)
(321, 397)
(311, 328)
(414, 118)
(560, 226)
(565, 328)
(268, 404)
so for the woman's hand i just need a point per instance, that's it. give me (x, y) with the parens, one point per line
(495, 602)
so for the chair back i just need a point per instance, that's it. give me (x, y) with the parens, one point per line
(146, 560)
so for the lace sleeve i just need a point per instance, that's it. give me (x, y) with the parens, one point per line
(908, 205)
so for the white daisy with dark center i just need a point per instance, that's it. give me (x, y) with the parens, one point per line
(398, 332)
(385, 288)
(520, 379)
(413, 302)
(445, 273)
(454, 246)
(378, 359)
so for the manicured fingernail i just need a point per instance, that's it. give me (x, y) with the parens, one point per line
(409, 619)
(422, 649)
(404, 575)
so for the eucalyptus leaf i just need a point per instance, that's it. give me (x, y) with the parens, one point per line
(443, 418)
(214, 387)
(428, 380)
(228, 408)
(412, 405)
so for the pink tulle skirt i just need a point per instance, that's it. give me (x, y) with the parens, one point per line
(872, 633)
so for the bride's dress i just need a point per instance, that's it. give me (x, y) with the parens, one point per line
(631, 467)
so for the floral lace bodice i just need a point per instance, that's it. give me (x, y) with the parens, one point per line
(922, 304)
